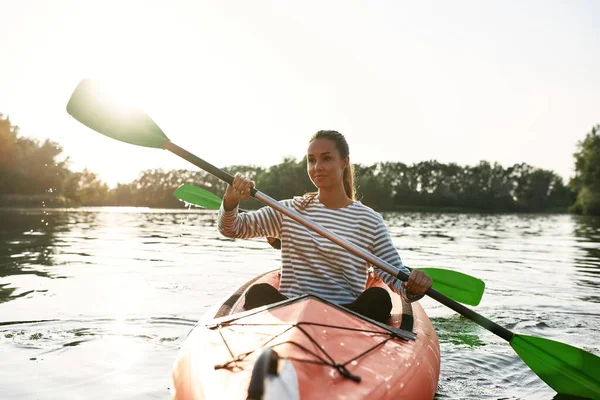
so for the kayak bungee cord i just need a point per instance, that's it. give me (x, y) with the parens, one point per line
(340, 367)
(398, 333)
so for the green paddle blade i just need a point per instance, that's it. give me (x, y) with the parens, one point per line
(461, 287)
(198, 196)
(91, 106)
(566, 369)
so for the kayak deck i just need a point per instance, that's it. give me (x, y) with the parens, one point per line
(333, 352)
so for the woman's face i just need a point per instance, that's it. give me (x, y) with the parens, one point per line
(324, 164)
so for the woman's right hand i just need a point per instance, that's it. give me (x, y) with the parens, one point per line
(238, 191)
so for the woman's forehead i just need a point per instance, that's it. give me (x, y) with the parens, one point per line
(320, 146)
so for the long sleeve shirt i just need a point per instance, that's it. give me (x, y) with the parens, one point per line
(313, 264)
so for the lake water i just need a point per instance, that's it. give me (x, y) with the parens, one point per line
(94, 303)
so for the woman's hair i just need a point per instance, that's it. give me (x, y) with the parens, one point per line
(342, 146)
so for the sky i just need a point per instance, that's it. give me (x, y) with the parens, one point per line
(248, 82)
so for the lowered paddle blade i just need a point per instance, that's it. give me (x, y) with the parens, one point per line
(197, 196)
(461, 287)
(91, 105)
(566, 369)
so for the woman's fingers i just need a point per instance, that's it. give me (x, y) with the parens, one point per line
(418, 283)
(241, 186)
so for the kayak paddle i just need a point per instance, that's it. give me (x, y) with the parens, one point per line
(461, 287)
(567, 369)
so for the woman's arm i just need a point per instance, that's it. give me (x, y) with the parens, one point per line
(263, 222)
(384, 248)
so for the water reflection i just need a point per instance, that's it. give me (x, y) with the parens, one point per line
(60, 243)
(587, 264)
(27, 246)
(458, 331)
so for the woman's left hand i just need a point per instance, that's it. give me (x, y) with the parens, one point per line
(417, 284)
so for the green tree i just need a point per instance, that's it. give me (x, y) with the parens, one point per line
(374, 186)
(28, 167)
(284, 180)
(85, 188)
(586, 182)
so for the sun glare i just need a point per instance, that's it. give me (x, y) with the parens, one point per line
(122, 95)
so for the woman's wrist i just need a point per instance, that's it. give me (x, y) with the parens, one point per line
(229, 205)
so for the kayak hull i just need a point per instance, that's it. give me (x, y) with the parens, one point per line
(324, 350)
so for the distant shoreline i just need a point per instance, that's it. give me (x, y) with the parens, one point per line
(58, 202)
(33, 200)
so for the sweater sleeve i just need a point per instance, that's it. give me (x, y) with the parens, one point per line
(384, 248)
(260, 223)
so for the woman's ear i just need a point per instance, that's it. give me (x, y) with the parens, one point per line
(346, 161)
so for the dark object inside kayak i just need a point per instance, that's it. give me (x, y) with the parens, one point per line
(274, 242)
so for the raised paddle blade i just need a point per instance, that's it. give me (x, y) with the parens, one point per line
(198, 196)
(461, 287)
(566, 369)
(92, 106)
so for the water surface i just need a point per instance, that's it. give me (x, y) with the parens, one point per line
(94, 303)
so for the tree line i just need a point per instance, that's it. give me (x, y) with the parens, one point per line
(32, 171)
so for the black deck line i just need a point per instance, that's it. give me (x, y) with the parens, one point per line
(216, 322)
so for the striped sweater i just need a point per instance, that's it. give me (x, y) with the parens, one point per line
(312, 263)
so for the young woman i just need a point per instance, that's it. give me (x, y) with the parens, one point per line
(311, 263)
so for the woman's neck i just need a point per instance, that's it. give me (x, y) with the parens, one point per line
(334, 199)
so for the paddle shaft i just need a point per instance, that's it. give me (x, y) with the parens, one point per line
(387, 267)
